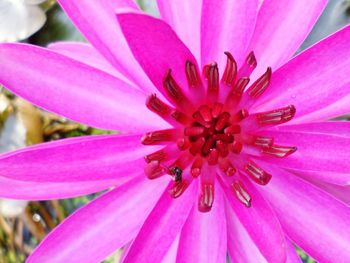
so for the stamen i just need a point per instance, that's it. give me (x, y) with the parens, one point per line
(211, 73)
(175, 93)
(183, 143)
(192, 75)
(206, 198)
(223, 137)
(263, 141)
(230, 74)
(241, 193)
(180, 117)
(279, 151)
(257, 174)
(236, 147)
(222, 121)
(227, 167)
(194, 131)
(197, 116)
(249, 65)
(197, 167)
(260, 85)
(213, 157)
(216, 110)
(222, 148)
(278, 116)
(208, 145)
(160, 137)
(204, 110)
(240, 115)
(197, 146)
(153, 170)
(178, 188)
(236, 93)
(233, 129)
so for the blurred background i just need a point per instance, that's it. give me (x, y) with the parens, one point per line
(23, 224)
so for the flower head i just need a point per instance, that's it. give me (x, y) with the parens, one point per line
(233, 133)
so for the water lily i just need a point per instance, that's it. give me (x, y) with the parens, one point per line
(20, 19)
(211, 107)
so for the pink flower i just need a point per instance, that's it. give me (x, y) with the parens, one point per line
(263, 164)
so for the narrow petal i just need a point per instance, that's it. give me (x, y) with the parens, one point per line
(315, 152)
(96, 20)
(73, 89)
(261, 223)
(29, 190)
(314, 220)
(156, 47)
(80, 159)
(226, 26)
(203, 237)
(326, 65)
(105, 224)
(87, 54)
(178, 13)
(241, 247)
(338, 128)
(281, 28)
(162, 227)
(172, 252)
(292, 256)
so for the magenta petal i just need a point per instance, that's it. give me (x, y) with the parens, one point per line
(281, 28)
(29, 190)
(73, 89)
(178, 13)
(96, 20)
(156, 47)
(104, 225)
(261, 223)
(298, 82)
(315, 152)
(87, 54)
(226, 26)
(80, 159)
(339, 128)
(292, 256)
(314, 220)
(203, 237)
(162, 227)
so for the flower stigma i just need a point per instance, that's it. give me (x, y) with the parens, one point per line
(214, 134)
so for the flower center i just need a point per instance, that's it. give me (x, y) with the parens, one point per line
(213, 136)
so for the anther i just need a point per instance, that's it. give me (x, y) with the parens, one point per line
(278, 116)
(206, 113)
(211, 73)
(192, 75)
(230, 74)
(236, 147)
(157, 106)
(156, 156)
(279, 151)
(227, 167)
(194, 131)
(174, 92)
(222, 148)
(197, 146)
(249, 65)
(213, 157)
(153, 170)
(208, 145)
(178, 188)
(240, 115)
(241, 193)
(260, 85)
(262, 141)
(196, 167)
(233, 129)
(197, 116)
(180, 117)
(160, 137)
(257, 174)
(206, 198)
(183, 143)
(222, 121)
(216, 110)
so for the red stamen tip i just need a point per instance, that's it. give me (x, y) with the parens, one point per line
(260, 85)
(241, 193)
(230, 74)
(206, 198)
(257, 174)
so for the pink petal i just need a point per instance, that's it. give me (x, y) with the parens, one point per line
(178, 13)
(315, 152)
(226, 26)
(105, 224)
(314, 220)
(87, 54)
(292, 256)
(241, 247)
(89, 158)
(172, 252)
(260, 223)
(29, 190)
(73, 89)
(156, 47)
(96, 20)
(281, 28)
(203, 237)
(339, 128)
(161, 227)
(298, 82)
